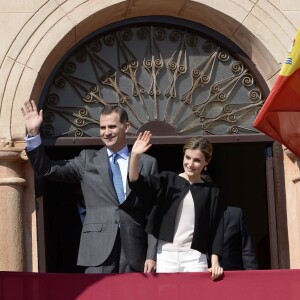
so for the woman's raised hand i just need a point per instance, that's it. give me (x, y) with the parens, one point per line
(142, 143)
(140, 146)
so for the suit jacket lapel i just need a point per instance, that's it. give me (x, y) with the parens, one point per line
(226, 218)
(102, 164)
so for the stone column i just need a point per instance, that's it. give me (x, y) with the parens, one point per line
(11, 208)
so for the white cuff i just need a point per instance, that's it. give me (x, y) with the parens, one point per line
(33, 142)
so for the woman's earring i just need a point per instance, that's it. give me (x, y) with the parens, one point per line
(205, 169)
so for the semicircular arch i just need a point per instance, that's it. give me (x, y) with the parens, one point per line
(173, 76)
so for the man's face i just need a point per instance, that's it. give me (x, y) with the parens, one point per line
(113, 132)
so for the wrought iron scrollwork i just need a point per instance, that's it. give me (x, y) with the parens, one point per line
(156, 73)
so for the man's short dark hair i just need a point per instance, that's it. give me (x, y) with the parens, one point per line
(109, 109)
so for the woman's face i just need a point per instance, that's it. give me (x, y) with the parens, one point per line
(193, 163)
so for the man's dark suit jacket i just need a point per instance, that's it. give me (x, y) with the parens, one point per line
(104, 214)
(238, 249)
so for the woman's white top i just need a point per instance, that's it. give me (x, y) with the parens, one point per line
(184, 227)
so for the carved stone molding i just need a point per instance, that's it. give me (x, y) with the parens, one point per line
(6, 143)
(10, 163)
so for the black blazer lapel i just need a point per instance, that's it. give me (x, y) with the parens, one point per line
(226, 218)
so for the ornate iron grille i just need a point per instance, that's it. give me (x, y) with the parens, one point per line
(175, 76)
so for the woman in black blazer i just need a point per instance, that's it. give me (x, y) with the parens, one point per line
(186, 212)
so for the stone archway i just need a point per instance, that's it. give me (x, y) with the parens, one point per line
(170, 76)
(165, 72)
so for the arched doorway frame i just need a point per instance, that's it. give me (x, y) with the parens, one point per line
(179, 140)
(155, 20)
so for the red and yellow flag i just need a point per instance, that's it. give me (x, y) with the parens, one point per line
(279, 117)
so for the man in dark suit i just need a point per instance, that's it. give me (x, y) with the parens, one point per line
(113, 239)
(239, 252)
